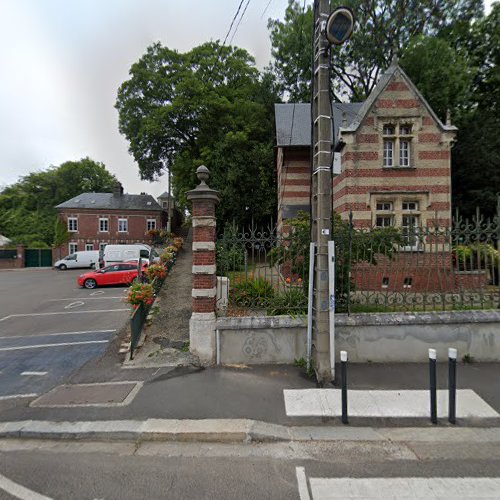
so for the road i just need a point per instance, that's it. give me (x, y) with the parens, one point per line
(49, 327)
(302, 471)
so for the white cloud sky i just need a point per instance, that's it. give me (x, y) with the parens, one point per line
(61, 63)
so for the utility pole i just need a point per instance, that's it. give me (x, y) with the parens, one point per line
(322, 190)
(329, 28)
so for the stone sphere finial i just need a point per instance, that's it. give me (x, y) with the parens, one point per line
(203, 174)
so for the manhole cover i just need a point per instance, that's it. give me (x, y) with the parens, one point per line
(98, 394)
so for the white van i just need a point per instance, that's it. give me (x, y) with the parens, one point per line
(88, 258)
(124, 253)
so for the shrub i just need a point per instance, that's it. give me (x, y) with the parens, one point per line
(252, 293)
(292, 301)
(140, 293)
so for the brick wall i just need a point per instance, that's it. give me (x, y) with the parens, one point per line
(88, 227)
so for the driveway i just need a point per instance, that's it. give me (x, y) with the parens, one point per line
(49, 327)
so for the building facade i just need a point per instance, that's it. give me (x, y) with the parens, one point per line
(392, 168)
(94, 220)
(392, 158)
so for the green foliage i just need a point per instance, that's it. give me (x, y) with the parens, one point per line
(252, 293)
(206, 106)
(230, 255)
(292, 301)
(382, 26)
(61, 234)
(28, 206)
(440, 73)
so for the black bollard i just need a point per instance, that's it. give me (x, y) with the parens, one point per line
(432, 374)
(343, 364)
(452, 385)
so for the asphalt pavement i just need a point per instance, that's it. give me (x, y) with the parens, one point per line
(49, 327)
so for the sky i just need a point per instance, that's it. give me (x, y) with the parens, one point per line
(62, 61)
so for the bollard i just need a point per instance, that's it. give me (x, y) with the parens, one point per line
(452, 385)
(432, 374)
(343, 364)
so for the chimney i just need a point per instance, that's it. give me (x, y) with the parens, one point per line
(118, 189)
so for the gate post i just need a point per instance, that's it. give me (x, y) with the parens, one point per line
(202, 322)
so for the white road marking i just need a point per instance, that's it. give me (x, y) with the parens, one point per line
(56, 313)
(15, 396)
(19, 491)
(404, 403)
(302, 483)
(34, 374)
(78, 303)
(86, 298)
(56, 334)
(99, 292)
(62, 344)
(405, 487)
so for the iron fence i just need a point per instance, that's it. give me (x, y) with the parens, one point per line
(376, 270)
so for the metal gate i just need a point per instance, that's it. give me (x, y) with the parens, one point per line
(38, 257)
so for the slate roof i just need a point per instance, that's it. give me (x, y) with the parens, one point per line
(298, 131)
(112, 201)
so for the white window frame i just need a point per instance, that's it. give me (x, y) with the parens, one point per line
(71, 221)
(125, 222)
(72, 247)
(408, 208)
(102, 246)
(150, 222)
(384, 217)
(397, 144)
(89, 247)
(380, 206)
(415, 234)
(101, 221)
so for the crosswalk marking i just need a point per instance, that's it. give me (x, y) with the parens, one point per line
(401, 488)
(404, 403)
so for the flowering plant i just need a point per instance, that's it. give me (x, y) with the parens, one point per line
(166, 257)
(178, 242)
(171, 249)
(156, 271)
(140, 293)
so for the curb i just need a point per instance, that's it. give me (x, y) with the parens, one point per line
(234, 431)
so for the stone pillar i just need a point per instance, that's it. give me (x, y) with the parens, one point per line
(20, 261)
(202, 322)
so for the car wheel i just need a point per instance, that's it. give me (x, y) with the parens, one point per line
(90, 283)
(92, 266)
(63, 267)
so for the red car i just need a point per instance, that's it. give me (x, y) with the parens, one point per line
(115, 274)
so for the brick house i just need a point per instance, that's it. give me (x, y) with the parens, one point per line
(97, 219)
(394, 155)
(392, 166)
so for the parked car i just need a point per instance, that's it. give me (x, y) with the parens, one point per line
(115, 274)
(88, 258)
(125, 253)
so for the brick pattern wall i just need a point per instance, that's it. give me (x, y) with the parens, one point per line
(88, 227)
(204, 275)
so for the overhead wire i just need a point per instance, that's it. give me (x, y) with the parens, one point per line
(232, 22)
(239, 22)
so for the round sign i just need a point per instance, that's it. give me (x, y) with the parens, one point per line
(339, 25)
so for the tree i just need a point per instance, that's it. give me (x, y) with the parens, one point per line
(28, 206)
(206, 106)
(382, 27)
(442, 75)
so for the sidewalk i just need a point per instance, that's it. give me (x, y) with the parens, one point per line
(167, 338)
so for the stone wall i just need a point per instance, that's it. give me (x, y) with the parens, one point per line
(378, 338)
